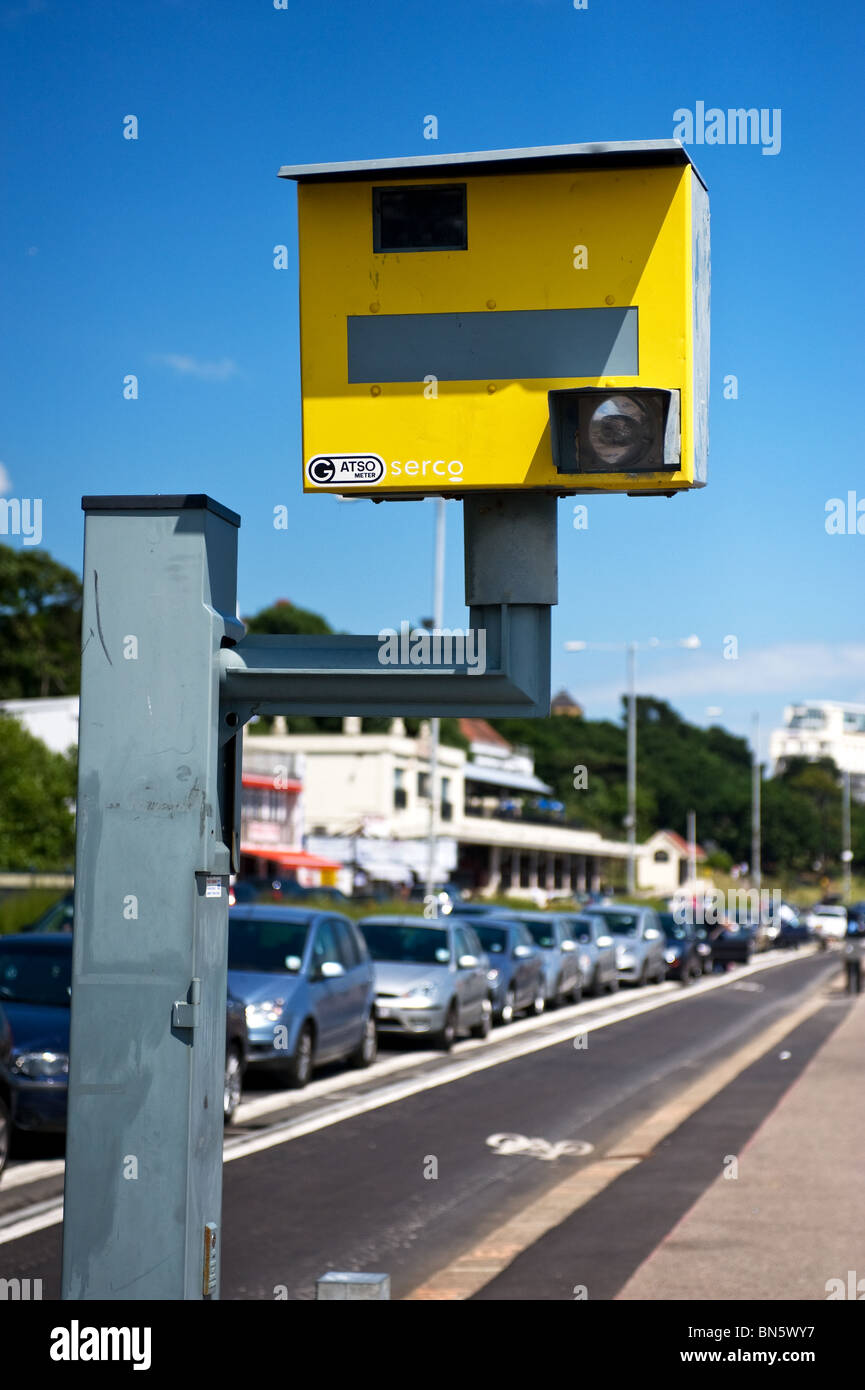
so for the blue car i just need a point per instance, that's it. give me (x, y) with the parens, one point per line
(307, 982)
(516, 971)
(5, 1089)
(35, 986)
(35, 992)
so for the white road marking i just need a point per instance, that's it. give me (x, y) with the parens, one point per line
(508, 1144)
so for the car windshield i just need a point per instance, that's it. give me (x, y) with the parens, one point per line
(57, 918)
(264, 944)
(622, 923)
(581, 929)
(35, 977)
(493, 939)
(542, 933)
(406, 945)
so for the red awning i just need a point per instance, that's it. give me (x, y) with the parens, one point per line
(282, 784)
(291, 858)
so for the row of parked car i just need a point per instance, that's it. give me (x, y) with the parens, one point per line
(307, 986)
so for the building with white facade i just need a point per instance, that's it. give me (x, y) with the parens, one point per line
(367, 804)
(354, 807)
(54, 720)
(664, 866)
(824, 729)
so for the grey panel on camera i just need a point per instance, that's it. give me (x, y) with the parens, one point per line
(514, 345)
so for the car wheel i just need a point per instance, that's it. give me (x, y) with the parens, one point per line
(446, 1036)
(298, 1071)
(596, 986)
(482, 1029)
(644, 977)
(508, 1009)
(539, 1003)
(233, 1084)
(613, 986)
(367, 1049)
(5, 1133)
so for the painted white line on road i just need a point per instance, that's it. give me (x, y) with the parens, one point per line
(27, 1225)
(37, 1171)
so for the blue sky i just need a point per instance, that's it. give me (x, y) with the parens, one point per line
(155, 257)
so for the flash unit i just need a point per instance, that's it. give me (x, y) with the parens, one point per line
(623, 431)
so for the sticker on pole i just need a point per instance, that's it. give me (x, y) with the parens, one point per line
(345, 470)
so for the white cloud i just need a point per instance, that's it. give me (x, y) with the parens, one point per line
(796, 670)
(5, 481)
(193, 366)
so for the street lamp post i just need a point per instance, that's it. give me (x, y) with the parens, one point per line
(846, 852)
(435, 723)
(632, 768)
(756, 792)
(631, 649)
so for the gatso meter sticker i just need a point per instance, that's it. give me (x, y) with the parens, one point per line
(345, 470)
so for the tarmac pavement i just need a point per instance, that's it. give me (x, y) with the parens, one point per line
(793, 1218)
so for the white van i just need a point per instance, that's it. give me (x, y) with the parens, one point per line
(828, 920)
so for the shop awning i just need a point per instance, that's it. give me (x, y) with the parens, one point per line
(273, 784)
(511, 781)
(290, 858)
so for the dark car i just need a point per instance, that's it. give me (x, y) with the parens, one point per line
(35, 989)
(35, 985)
(516, 973)
(792, 932)
(704, 946)
(731, 944)
(684, 961)
(5, 1089)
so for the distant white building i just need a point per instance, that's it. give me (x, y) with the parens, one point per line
(824, 729)
(664, 868)
(367, 804)
(54, 720)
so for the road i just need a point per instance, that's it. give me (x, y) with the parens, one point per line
(392, 1170)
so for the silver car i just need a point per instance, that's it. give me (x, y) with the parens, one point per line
(640, 942)
(430, 978)
(596, 944)
(563, 976)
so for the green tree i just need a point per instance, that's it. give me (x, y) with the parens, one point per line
(40, 625)
(37, 826)
(285, 619)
